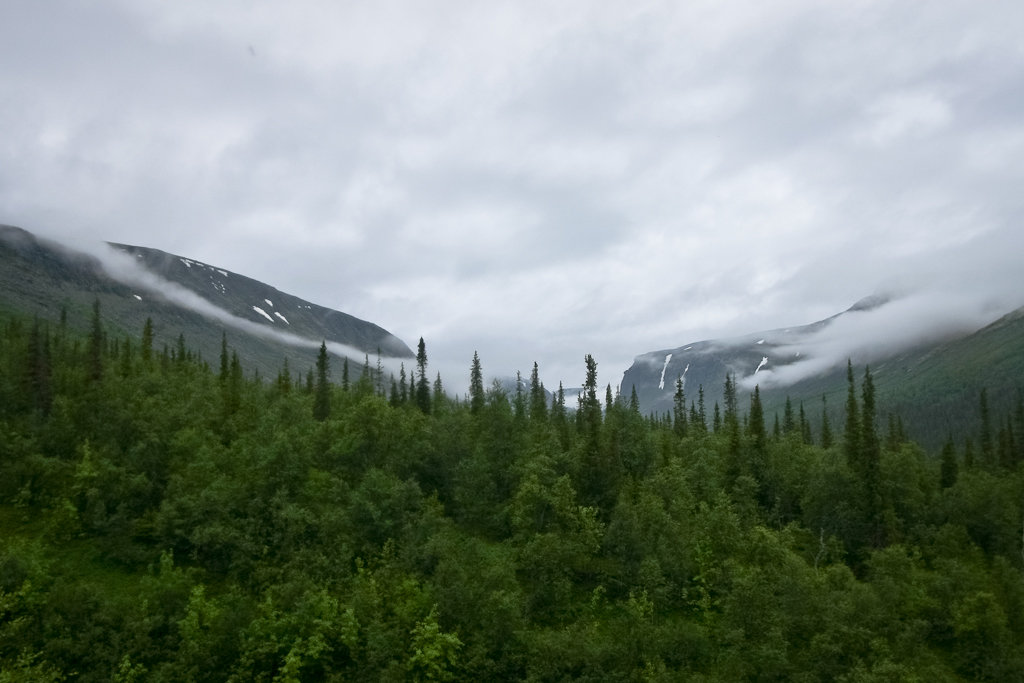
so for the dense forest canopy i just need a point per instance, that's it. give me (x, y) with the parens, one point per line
(165, 520)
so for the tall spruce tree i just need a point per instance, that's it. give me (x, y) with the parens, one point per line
(477, 398)
(679, 421)
(985, 433)
(94, 346)
(755, 423)
(826, 427)
(538, 403)
(147, 341)
(422, 383)
(322, 389)
(851, 436)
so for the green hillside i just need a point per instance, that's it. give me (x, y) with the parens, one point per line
(934, 388)
(40, 278)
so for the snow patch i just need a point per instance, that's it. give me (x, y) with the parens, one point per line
(282, 318)
(661, 382)
(269, 302)
(764, 362)
(687, 348)
(187, 262)
(137, 297)
(759, 341)
(263, 313)
(222, 272)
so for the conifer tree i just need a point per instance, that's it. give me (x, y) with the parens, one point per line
(538, 404)
(634, 401)
(147, 341)
(284, 381)
(755, 423)
(38, 372)
(181, 352)
(322, 391)
(438, 391)
(851, 437)
(805, 427)
(702, 418)
(985, 433)
(788, 420)
(344, 374)
(729, 399)
(422, 384)
(476, 386)
(826, 427)
(679, 422)
(948, 467)
(225, 359)
(403, 385)
(95, 343)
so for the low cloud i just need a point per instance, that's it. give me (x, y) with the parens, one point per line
(125, 268)
(865, 336)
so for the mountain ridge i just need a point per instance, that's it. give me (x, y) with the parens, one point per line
(45, 278)
(933, 383)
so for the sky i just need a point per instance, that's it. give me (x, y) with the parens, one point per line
(537, 181)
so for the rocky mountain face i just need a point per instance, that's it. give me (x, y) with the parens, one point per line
(704, 364)
(183, 297)
(932, 385)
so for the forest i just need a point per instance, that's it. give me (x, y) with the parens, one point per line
(165, 517)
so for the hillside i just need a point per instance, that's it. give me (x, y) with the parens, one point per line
(933, 386)
(182, 297)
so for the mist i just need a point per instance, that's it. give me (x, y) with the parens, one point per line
(865, 336)
(125, 269)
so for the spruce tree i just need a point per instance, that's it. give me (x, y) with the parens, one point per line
(805, 427)
(755, 423)
(949, 469)
(538, 404)
(788, 419)
(985, 434)
(851, 437)
(147, 341)
(702, 417)
(322, 390)
(679, 422)
(438, 399)
(95, 343)
(826, 427)
(422, 383)
(477, 397)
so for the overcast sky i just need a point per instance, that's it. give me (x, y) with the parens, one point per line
(535, 180)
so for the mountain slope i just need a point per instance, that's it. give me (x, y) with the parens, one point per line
(933, 385)
(183, 297)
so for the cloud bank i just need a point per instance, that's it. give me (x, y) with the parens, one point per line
(529, 180)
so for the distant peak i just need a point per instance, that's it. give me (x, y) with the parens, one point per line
(870, 302)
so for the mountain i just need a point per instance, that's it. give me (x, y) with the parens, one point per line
(933, 385)
(706, 363)
(183, 297)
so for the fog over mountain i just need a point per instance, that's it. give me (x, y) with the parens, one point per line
(536, 181)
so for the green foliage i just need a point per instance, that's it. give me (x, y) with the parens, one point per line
(164, 521)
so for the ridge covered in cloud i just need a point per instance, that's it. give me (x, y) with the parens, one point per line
(536, 181)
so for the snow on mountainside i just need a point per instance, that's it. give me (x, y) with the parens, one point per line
(257, 302)
(182, 296)
(705, 364)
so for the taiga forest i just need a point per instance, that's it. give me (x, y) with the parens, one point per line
(170, 517)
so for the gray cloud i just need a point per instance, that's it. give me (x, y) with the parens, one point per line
(535, 182)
